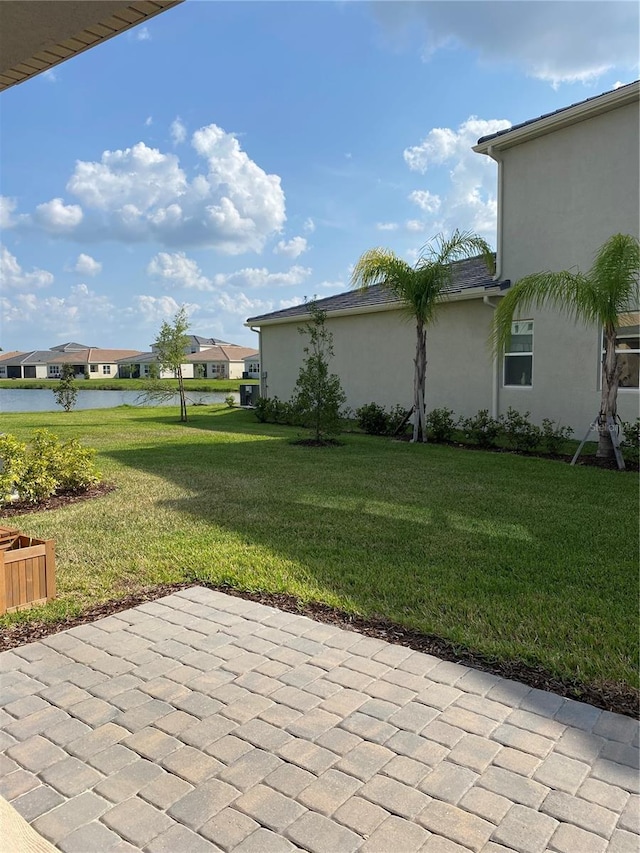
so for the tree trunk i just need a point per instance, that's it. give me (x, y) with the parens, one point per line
(609, 398)
(420, 362)
(183, 399)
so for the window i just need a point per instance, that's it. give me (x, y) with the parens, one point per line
(93, 368)
(253, 367)
(518, 357)
(3, 371)
(54, 371)
(628, 349)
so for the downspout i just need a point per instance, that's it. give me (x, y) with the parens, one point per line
(495, 373)
(259, 331)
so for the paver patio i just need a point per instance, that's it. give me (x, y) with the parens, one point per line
(204, 722)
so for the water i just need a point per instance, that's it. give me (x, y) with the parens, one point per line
(41, 400)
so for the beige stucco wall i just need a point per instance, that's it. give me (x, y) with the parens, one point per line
(564, 194)
(374, 358)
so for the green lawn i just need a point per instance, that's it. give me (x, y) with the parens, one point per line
(511, 556)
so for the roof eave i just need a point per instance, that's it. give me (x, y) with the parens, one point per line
(571, 115)
(460, 296)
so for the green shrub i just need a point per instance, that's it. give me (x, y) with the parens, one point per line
(272, 410)
(440, 424)
(398, 416)
(373, 419)
(631, 440)
(230, 400)
(481, 429)
(44, 467)
(554, 437)
(519, 432)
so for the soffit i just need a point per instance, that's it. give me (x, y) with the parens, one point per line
(36, 35)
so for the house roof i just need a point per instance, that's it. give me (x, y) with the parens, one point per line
(88, 355)
(140, 358)
(229, 352)
(70, 347)
(562, 117)
(468, 275)
(39, 34)
(212, 342)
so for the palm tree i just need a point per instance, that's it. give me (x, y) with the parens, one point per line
(609, 289)
(419, 288)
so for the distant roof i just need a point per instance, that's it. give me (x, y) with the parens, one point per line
(566, 115)
(212, 342)
(14, 353)
(469, 274)
(88, 355)
(70, 347)
(230, 352)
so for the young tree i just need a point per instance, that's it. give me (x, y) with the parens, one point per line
(171, 347)
(598, 297)
(419, 289)
(318, 395)
(65, 392)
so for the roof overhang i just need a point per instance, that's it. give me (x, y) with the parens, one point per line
(460, 296)
(36, 35)
(563, 118)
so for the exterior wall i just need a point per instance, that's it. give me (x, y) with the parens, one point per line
(236, 369)
(564, 194)
(374, 358)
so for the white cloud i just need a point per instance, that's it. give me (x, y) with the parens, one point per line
(56, 217)
(7, 206)
(140, 194)
(414, 225)
(178, 270)
(291, 248)
(554, 42)
(309, 225)
(290, 303)
(429, 202)
(178, 131)
(143, 34)
(470, 202)
(65, 316)
(252, 277)
(13, 277)
(156, 309)
(86, 265)
(148, 121)
(51, 75)
(387, 226)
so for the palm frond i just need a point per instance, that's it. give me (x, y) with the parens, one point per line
(461, 244)
(615, 276)
(571, 293)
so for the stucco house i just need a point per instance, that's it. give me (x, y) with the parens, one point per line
(88, 362)
(205, 358)
(566, 182)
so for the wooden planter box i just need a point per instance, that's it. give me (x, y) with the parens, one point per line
(27, 570)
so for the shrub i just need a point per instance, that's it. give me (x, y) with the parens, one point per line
(398, 416)
(44, 467)
(440, 424)
(272, 410)
(482, 429)
(519, 432)
(230, 400)
(631, 441)
(553, 437)
(373, 419)
(65, 392)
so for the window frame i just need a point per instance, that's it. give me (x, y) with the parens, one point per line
(624, 389)
(509, 354)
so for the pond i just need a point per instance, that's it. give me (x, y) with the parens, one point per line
(41, 400)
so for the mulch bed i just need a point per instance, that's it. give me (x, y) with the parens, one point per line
(57, 501)
(611, 696)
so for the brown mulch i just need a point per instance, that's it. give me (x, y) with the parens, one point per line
(610, 696)
(57, 501)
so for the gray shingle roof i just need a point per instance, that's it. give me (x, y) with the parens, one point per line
(547, 115)
(468, 274)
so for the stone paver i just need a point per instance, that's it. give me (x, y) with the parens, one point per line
(204, 722)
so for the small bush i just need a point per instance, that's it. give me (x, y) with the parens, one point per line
(519, 432)
(482, 429)
(631, 441)
(398, 416)
(272, 410)
(554, 437)
(440, 424)
(373, 419)
(44, 467)
(230, 400)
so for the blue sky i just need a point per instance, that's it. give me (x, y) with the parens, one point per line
(236, 157)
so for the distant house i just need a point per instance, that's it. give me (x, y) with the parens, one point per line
(224, 362)
(88, 362)
(567, 181)
(205, 358)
